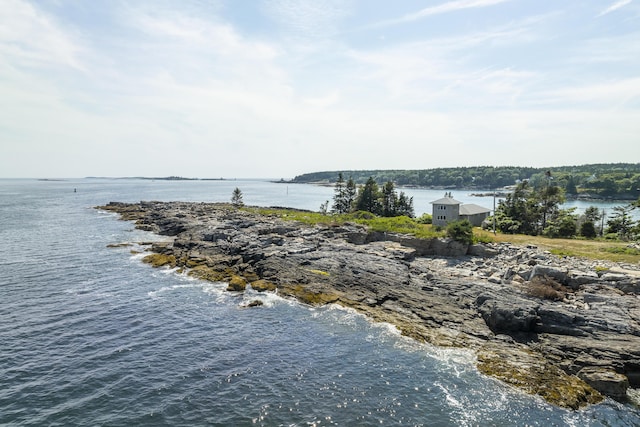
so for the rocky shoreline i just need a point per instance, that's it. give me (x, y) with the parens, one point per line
(565, 329)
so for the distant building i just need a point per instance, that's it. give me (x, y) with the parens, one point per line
(474, 213)
(445, 210)
(448, 209)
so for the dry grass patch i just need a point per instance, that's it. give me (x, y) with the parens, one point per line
(546, 288)
(592, 249)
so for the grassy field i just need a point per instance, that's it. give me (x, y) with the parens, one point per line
(593, 249)
(399, 224)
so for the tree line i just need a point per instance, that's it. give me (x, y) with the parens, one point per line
(614, 181)
(369, 197)
(533, 208)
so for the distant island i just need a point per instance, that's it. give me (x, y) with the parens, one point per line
(160, 178)
(615, 181)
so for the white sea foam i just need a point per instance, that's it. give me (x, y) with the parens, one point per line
(210, 288)
(268, 298)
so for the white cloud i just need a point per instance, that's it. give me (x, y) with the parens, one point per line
(451, 6)
(624, 48)
(30, 37)
(606, 95)
(194, 33)
(615, 6)
(441, 72)
(325, 101)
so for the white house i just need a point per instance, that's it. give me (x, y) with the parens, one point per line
(448, 209)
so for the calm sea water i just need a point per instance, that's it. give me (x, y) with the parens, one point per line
(89, 335)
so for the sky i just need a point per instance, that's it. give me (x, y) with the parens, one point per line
(278, 88)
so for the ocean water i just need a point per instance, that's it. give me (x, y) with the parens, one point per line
(89, 335)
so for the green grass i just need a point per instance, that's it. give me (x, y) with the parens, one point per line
(306, 217)
(621, 250)
(593, 249)
(399, 224)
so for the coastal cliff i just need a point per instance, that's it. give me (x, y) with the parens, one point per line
(563, 328)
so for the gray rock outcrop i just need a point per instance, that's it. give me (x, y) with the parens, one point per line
(558, 327)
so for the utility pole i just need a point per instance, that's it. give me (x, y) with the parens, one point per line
(546, 200)
(494, 213)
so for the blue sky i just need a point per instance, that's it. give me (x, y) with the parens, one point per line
(277, 88)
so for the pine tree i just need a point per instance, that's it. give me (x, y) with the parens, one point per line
(621, 222)
(236, 198)
(593, 214)
(368, 198)
(389, 199)
(405, 205)
(351, 192)
(340, 202)
(588, 230)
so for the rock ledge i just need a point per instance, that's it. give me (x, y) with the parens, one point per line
(565, 329)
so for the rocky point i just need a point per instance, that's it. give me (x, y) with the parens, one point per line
(564, 328)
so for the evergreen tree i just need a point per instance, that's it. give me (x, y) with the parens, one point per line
(588, 230)
(389, 199)
(405, 205)
(548, 199)
(620, 222)
(592, 214)
(562, 224)
(517, 213)
(368, 197)
(236, 198)
(351, 192)
(340, 203)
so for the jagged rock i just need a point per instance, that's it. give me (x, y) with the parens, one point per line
(577, 278)
(482, 251)
(495, 278)
(613, 277)
(507, 316)
(236, 284)
(255, 303)
(557, 273)
(606, 381)
(629, 287)
(558, 320)
(436, 290)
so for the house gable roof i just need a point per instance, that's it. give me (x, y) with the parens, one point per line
(471, 209)
(446, 201)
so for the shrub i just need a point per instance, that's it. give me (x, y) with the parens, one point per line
(588, 230)
(545, 287)
(425, 218)
(461, 231)
(564, 226)
(362, 215)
